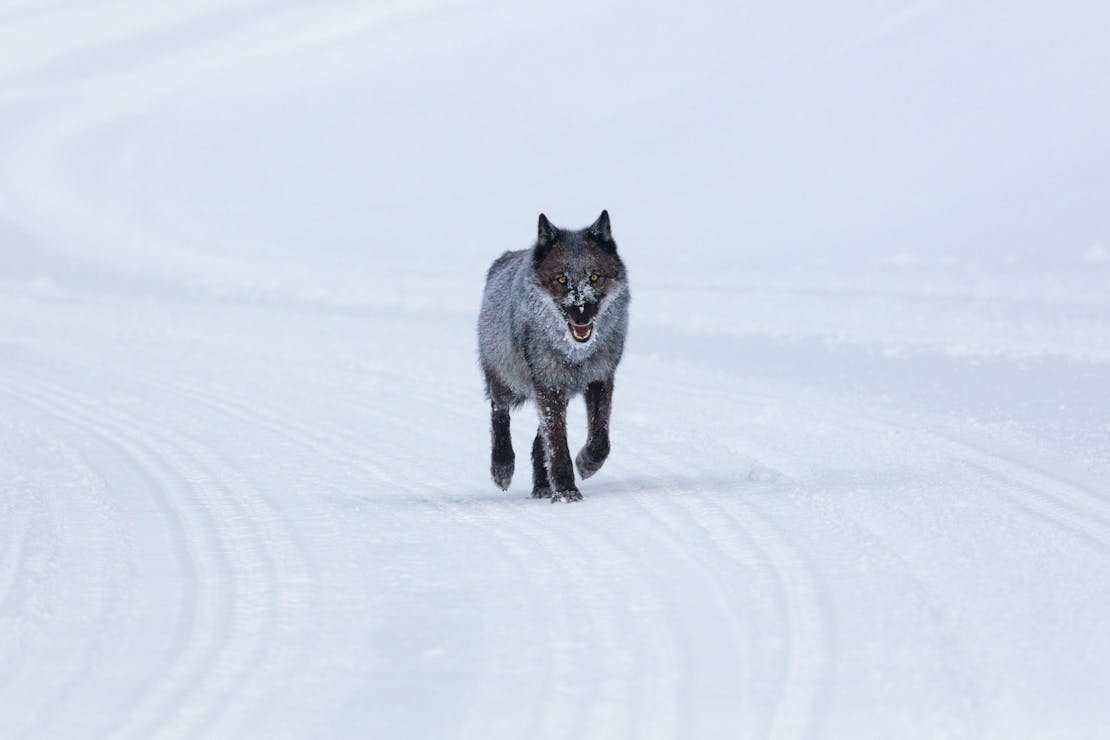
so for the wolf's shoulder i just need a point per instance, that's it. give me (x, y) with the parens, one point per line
(504, 262)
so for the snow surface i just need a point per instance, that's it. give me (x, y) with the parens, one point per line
(861, 435)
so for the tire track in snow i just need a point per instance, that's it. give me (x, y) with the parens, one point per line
(1000, 482)
(357, 449)
(280, 600)
(258, 598)
(516, 544)
(212, 471)
(1030, 492)
(657, 688)
(951, 656)
(744, 542)
(519, 540)
(521, 544)
(15, 550)
(296, 577)
(180, 528)
(676, 522)
(686, 634)
(737, 530)
(228, 522)
(808, 661)
(17, 528)
(31, 568)
(576, 547)
(95, 551)
(26, 560)
(797, 594)
(348, 449)
(206, 605)
(1049, 498)
(810, 665)
(262, 414)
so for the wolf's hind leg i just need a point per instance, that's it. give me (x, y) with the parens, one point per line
(599, 402)
(541, 488)
(503, 460)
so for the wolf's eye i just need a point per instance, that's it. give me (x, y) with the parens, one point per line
(562, 280)
(593, 278)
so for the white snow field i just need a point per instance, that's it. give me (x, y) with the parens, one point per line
(860, 480)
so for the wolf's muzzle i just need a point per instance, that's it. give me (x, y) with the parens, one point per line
(583, 314)
(580, 319)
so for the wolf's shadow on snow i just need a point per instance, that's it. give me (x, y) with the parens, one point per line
(671, 485)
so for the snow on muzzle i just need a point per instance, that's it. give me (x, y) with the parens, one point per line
(580, 315)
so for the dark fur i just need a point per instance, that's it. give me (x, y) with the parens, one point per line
(553, 324)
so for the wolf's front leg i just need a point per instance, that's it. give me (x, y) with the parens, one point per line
(553, 428)
(599, 402)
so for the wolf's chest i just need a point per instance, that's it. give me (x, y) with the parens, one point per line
(571, 369)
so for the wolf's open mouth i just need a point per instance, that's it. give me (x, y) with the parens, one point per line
(581, 332)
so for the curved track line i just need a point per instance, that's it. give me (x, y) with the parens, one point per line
(804, 661)
(185, 544)
(224, 514)
(1049, 498)
(239, 516)
(521, 548)
(15, 550)
(93, 532)
(211, 604)
(349, 449)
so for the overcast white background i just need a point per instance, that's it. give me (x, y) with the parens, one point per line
(861, 433)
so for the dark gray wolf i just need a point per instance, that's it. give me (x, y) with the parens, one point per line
(552, 325)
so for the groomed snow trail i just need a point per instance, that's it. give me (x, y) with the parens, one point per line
(861, 435)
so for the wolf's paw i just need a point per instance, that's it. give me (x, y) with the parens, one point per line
(502, 472)
(569, 495)
(538, 492)
(589, 461)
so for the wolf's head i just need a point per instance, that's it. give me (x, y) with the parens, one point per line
(579, 270)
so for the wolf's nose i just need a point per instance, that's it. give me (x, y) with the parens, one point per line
(582, 314)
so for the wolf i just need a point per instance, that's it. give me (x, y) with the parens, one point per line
(552, 325)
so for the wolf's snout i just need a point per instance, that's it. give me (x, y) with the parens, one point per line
(583, 314)
(580, 319)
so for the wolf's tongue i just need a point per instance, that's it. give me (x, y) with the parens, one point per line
(580, 331)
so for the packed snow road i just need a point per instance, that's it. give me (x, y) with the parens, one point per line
(861, 434)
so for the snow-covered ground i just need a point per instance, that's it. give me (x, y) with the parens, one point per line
(861, 436)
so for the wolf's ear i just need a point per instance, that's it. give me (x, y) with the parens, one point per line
(546, 236)
(600, 229)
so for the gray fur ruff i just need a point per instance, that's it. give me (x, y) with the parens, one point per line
(524, 340)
